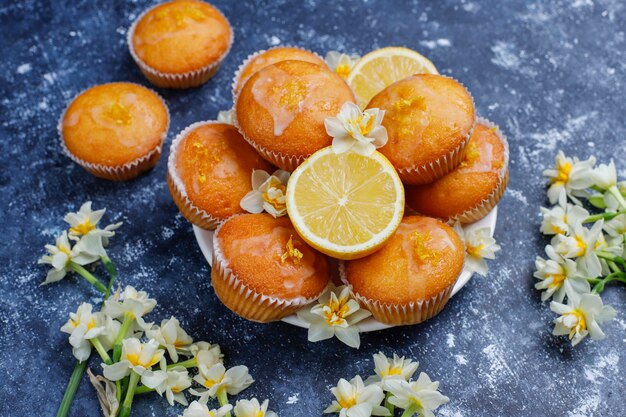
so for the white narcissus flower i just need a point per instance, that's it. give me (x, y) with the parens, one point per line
(111, 328)
(217, 378)
(581, 316)
(391, 368)
(205, 353)
(354, 399)
(139, 358)
(614, 198)
(135, 303)
(479, 245)
(561, 219)
(175, 381)
(582, 244)
(616, 227)
(356, 130)
(558, 275)
(84, 223)
(252, 408)
(82, 326)
(335, 314)
(421, 396)
(571, 177)
(170, 336)
(225, 116)
(341, 63)
(60, 256)
(605, 176)
(268, 193)
(198, 409)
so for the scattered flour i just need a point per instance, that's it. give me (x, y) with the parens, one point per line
(460, 359)
(24, 68)
(450, 340)
(293, 399)
(504, 55)
(435, 43)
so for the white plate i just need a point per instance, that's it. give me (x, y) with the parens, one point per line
(205, 241)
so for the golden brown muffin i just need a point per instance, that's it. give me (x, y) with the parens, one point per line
(429, 119)
(209, 172)
(259, 60)
(410, 279)
(281, 110)
(180, 43)
(262, 270)
(472, 190)
(115, 131)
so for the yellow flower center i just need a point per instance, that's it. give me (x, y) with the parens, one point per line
(343, 70)
(557, 280)
(291, 252)
(562, 175)
(134, 359)
(336, 311)
(580, 242)
(119, 114)
(394, 370)
(581, 322)
(83, 228)
(347, 402)
(210, 382)
(275, 194)
(363, 125)
(474, 250)
(422, 248)
(64, 249)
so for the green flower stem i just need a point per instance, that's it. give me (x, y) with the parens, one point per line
(118, 391)
(142, 389)
(101, 350)
(615, 276)
(594, 281)
(222, 397)
(112, 270)
(128, 400)
(618, 196)
(117, 346)
(410, 411)
(388, 405)
(72, 386)
(613, 266)
(189, 363)
(605, 216)
(88, 276)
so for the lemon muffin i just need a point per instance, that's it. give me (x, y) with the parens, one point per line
(262, 59)
(115, 131)
(410, 279)
(281, 110)
(429, 119)
(262, 270)
(209, 171)
(180, 43)
(472, 190)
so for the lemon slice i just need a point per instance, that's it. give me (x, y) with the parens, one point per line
(383, 67)
(345, 205)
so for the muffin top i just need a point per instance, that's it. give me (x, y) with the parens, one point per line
(283, 106)
(214, 164)
(480, 173)
(427, 116)
(272, 56)
(114, 124)
(269, 257)
(181, 36)
(422, 259)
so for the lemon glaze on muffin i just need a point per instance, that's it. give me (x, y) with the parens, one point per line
(472, 190)
(410, 279)
(429, 119)
(281, 110)
(262, 270)
(115, 131)
(180, 43)
(261, 59)
(209, 171)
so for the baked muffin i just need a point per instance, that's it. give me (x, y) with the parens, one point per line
(429, 119)
(180, 43)
(209, 171)
(472, 190)
(262, 270)
(262, 59)
(115, 131)
(281, 110)
(410, 279)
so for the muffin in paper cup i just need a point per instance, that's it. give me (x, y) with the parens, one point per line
(411, 278)
(209, 172)
(115, 131)
(262, 270)
(429, 119)
(475, 187)
(169, 43)
(278, 110)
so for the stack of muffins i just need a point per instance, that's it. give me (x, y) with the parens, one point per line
(454, 166)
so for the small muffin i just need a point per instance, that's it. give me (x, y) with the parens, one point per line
(262, 59)
(180, 43)
(115, 131)
(281, 110)
(471, 191)
(429, 119)
(209, 171)
(262, 270)
(410, 279)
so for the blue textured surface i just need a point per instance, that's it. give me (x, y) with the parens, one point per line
(551, 73)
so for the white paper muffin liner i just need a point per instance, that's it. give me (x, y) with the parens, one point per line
(252, 56)
(243, 300)
(123, 172)
(400, 314)
(190, 211)
(176, 80)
